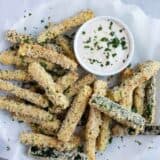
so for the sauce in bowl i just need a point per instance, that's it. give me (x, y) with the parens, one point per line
(103, 46)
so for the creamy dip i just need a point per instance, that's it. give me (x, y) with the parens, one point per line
(103, 46)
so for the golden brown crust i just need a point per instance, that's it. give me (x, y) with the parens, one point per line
(43, 141)
(145, 72)
(14, 37)
(25, 94)
(74, 114)
(52, 89)
(24, 110)
(92, 132)
(65, 44)
(10, 58)
(37, 51)
(45, 127)
(18, 75)
(67, 80)
(65, 25)
(75, 88)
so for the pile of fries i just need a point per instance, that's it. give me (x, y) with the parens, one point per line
(54, 98)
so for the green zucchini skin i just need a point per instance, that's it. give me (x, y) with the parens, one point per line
(118, 112)
(150, 101)
(52, 154)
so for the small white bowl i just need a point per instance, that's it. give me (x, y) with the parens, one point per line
(112, 69)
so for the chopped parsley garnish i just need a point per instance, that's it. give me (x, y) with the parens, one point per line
(107, 49)
(121, 30)
(86, 46)
(25, 28)
(29, 14)
(114, 42)
(104, 39)
(92, 61)
(110, 25)
(107, 63)
(42, 21)
(100, 28)
(138, 142)
(83, 32)
(112, 33)
(46, 27)
(88, 41)
(114, 54)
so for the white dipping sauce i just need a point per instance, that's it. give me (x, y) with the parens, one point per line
(103, 46)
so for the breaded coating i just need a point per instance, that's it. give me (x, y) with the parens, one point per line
(100, 88)
(14, 37)
(126, 73)
(74, 114)
(18, 75)
(65, 25)
(105, 133)
(94, 122)
(138, 98)
(37, 51)
(25, 94)
(145, 72)
(67, 80)
(66, 45)
(43, 141)
(118, 129)
(117, 112)
(150, 101)
(24, 110)
(52, 89)
(46, 127)
(92, 132)
(75, 88)
(10, 58)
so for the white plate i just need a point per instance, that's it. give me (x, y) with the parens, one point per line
(146, 33)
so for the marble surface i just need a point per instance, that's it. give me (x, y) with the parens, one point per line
(13, 10)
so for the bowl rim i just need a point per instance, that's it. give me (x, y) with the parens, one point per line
(131, 45)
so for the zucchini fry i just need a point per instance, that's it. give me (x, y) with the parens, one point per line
(18, 75)
(74, 114)
(10, 58)
(67, 80)
(150, 102)
(37, 51)
(94, 122)
(25, 94)
(92, 132)
(117, 112)
(43, 141)
(45, 127)
(105, 133)
(145, 72)
(65, 25)
(14, 37)
(100, 88)
(52, 89)
(24, 110)
(75, 88)
(65, 44)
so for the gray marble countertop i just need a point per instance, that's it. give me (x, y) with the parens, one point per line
(13, 10)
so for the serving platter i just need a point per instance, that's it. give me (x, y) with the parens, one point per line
(147, 45)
